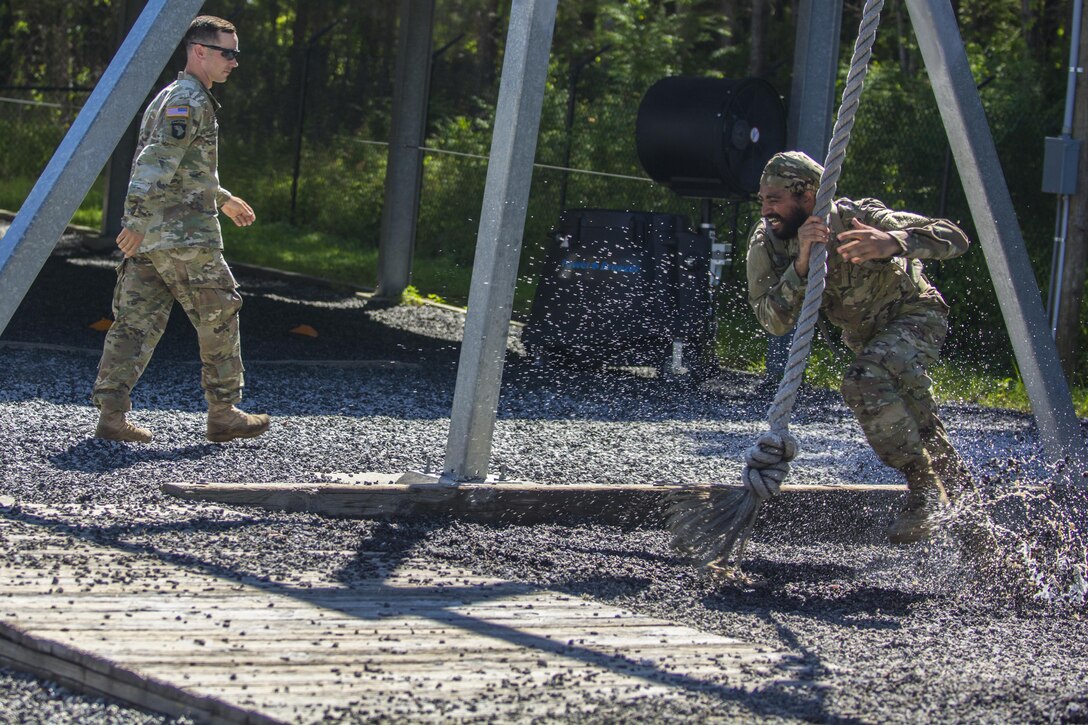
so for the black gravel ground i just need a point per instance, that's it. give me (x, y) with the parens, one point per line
(921, 634)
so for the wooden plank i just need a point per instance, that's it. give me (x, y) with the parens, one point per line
(70, 668)
(802, 512)
(421, 640)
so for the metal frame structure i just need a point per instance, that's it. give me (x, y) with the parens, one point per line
(146, 50)
(88, 144)
(404, 169)
(498, 243)
(812, 97)
(999, 231)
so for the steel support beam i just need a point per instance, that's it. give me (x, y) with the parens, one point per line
(815, 66)
(498, 243)
(404, 168)
(999, 230)
(88, 144)
(119, 166)
(811, 110)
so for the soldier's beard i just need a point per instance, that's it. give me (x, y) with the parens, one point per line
(785, 227)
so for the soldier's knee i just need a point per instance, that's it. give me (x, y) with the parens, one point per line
(215, 305)
(864, 382)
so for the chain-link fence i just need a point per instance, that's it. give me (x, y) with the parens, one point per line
(32, 124)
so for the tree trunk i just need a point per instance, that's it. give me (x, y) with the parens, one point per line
(1027, 24)
(488, 31)
(1076, 246)
(729, 33)
(300, 32)
(757, 53)
(902, 34)
(7, 59)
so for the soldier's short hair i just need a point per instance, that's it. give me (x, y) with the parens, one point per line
(794, 171)
(206, 29)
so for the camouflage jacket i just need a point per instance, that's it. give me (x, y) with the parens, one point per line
(174, 193)
(859, 298)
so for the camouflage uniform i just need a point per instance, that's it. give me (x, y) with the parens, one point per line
(892, 318)
(173, 199)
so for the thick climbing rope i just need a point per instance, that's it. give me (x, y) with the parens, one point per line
(718, 532)
(779, 415)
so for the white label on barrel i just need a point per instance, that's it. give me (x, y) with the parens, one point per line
(754, 134)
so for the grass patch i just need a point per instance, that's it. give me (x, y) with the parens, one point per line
(13, 192)
(281, 246)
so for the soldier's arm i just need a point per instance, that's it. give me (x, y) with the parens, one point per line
(158, 161)
(918, 237)
(775, 297)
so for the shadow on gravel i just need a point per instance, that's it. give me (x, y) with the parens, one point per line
(390, 545)
(882, 607)
(98, 456)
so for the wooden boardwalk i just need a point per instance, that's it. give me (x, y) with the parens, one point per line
(419, 641)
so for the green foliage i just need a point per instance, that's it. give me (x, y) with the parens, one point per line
(13, 191)
(32, 134)
(412, 296)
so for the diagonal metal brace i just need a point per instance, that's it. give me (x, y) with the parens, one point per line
(87, 146)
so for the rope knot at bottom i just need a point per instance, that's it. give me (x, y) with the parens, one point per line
(767, 463)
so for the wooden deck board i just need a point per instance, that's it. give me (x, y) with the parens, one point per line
(424, 641)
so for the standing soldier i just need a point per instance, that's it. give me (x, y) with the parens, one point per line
(892, 318)
(173, 247)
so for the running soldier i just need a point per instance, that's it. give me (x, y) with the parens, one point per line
(891, 317)
(173, 247)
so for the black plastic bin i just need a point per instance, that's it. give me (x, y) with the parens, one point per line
(623, 288)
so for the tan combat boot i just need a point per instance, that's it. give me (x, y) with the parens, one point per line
(957, 479)
(225, 423)
(112, 426)
(953, 472)
(925, 498)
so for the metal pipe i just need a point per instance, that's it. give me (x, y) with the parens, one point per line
(88, 144)
(1061, 224)
(404, 155)
(1074, 59)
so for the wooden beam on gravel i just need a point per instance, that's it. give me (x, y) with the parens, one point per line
(805, 512)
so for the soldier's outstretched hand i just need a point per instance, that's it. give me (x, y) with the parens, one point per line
(864, 243)
(129, 241)
(239, 211)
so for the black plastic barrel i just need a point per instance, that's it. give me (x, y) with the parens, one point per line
(709, 137)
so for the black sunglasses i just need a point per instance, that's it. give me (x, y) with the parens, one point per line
(228, 53)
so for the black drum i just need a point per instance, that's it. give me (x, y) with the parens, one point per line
(709, 137)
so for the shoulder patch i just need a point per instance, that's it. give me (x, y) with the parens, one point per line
(177, 111)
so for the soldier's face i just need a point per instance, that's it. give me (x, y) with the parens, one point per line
(784, 211)
(217, 66)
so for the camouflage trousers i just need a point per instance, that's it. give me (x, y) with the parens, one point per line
(147, 285)
(891, 394)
